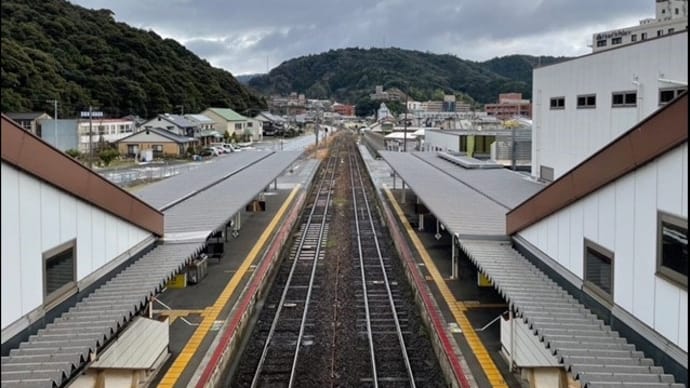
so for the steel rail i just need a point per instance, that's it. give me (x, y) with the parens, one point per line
(401, 340)
(320, 190)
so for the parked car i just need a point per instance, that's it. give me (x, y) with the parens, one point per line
(212, 150)
(227, 148)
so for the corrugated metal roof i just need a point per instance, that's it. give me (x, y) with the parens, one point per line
(52, 355)
(460, 208)
(163, 194)
(212, 208)
(504, 186)
(138, 347)
(585, 345)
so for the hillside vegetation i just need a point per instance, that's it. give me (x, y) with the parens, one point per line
(351, 74)
(52, 49)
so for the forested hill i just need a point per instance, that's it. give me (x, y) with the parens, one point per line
(52, 49)
(351, 74)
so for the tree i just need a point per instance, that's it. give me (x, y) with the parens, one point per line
(108, 155)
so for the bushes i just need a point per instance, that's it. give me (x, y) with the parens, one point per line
(108, 155)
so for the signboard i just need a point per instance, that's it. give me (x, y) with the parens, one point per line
(93, 114)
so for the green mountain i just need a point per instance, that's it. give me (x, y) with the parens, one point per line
(351, 74)
(52, 49)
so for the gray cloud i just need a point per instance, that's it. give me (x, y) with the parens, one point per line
(242, 35)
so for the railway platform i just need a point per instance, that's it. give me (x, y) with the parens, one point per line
(199, 313)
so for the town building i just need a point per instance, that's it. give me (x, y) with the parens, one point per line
(671, 16)
(29, 121)
(103, 131)
(510, 105)
(176, 124)
(584, 103)
(344, 109)
(155, 143)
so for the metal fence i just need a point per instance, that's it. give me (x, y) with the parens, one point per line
(137, 175)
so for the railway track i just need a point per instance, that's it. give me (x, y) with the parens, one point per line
(339, 312)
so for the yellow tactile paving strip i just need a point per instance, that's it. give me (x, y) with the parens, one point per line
(457, 308)
(211, 313)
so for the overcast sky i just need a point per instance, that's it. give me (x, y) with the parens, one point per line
(251, 36)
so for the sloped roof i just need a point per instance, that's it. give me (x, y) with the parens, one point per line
(178, 120)
(228, 114)
(24, 115)
(587, 347)
(165, 133)
(199, 118)
(657, 134)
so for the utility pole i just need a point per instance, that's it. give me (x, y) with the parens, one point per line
(90, 137)
(90, 113)
(316, 128)
(55, 117)
(405, 126)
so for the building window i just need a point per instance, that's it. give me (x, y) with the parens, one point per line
(624, 99)
(672, 248)
(587, 101)
(546, 173)
(598, 270)
(659, 32)
(617, 40)
(676, 11)
(157, 150)
(238, 126)
(666, 95)
(670, 30)
(558, 103)
(633, 38)
(601, 43)
(59, 271)
(644, 36)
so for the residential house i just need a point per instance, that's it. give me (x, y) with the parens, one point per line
(227, 121)
(176, 124)
(156, 143)
(29, 121)
(271, 124)
(207, 133)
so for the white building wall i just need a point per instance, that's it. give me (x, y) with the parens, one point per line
(445, 141)
(622, 217)
(564, 138)
(37, 217)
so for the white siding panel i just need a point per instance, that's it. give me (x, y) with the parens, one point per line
(50, 217)
(552, 235)
(10, 248)
(110, 239)
(666, 309)
(623, 282)
(684, 196)
(683, 321)
(644, 242)
(576, 238)
(590, 219)
(68, 217)
(669, 169)
(122, 236)
(563, 253)
(543, 236)
(98, 241)
(84, 238)
(30, 237)
(607, 217)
